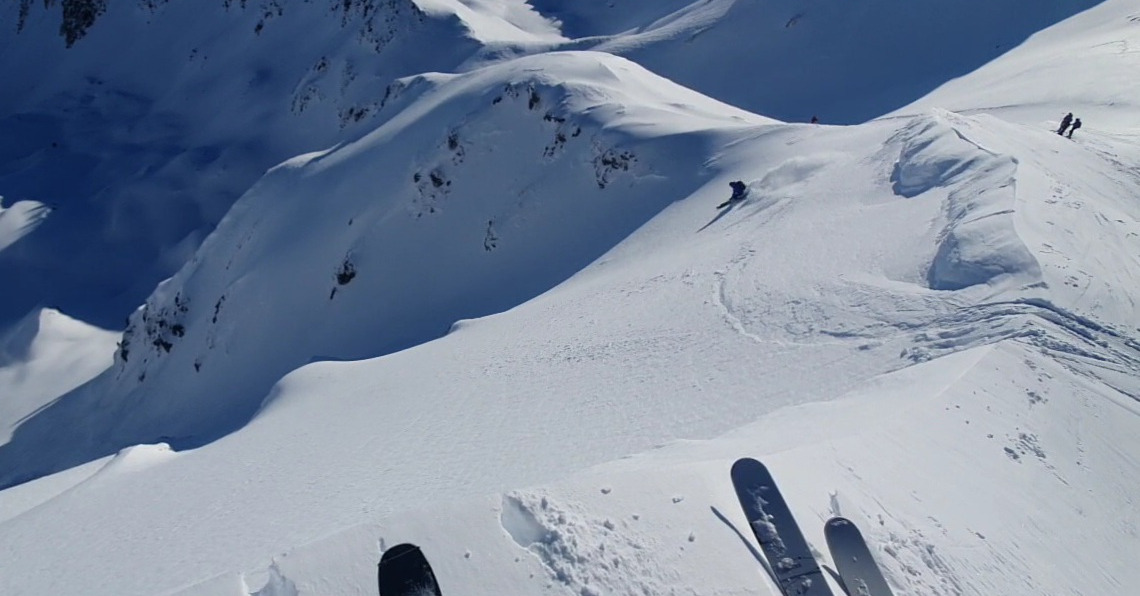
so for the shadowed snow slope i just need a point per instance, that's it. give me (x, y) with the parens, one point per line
(843, 61)
(926, 323)
(143, 132)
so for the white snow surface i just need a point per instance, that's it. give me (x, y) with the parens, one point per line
(43, 357)
(504, 321)
(19, 220)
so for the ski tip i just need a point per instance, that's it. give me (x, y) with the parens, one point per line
(746, 463)
(405, 571)
(840, 526)
(398, 551)
(838, 523)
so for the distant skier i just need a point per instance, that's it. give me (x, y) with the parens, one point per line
(1076, 125)
(738, 193)
(815, 119)
(1065, 123)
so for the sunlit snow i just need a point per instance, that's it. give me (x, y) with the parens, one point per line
(484, 301)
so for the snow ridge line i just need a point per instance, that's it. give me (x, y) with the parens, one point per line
(1124, 348)
(726, 311)
(1033, 320)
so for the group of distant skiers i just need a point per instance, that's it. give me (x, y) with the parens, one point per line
(1067, 123)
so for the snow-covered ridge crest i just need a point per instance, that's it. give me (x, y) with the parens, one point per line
(572, 117)
(611, 91)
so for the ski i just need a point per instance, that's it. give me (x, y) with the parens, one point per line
(861, 576)
(783, 544)
(731, 201)
(404, 571)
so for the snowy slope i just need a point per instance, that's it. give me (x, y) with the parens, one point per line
(924, 322)
(43, 357)
(426, 231)
(648, 321)
(957, 471)
(143, 132)
(846, 62)
(1097, 50)
(157, 115)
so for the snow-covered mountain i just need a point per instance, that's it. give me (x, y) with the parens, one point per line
(141, 121)
(499, 316)
(845, 62)
(388, 241)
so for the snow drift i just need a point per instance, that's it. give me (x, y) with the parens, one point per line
(979, 242)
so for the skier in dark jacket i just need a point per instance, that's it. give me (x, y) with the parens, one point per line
(1065, 123)
(1076, 125)
(738, 192)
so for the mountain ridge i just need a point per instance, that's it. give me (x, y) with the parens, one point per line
(588, 121)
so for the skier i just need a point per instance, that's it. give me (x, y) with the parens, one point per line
(815, 119)
(738, 192)
(1065, 123)
(1076, 125)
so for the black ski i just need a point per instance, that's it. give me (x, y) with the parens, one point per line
(780, 538)
(861, 576)
(404, 571)
(730, 201)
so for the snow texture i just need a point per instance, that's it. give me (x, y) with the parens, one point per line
(451, 273)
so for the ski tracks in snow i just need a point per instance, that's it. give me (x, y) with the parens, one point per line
(589, 555)
(724, 303)
(276, 585)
